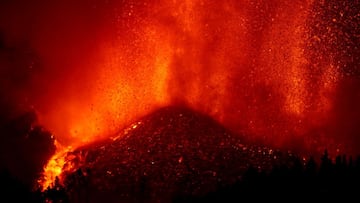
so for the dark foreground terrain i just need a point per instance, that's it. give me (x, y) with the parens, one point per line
(178, 155)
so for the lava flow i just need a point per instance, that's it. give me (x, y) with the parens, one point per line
(55, 166)
(283, 73)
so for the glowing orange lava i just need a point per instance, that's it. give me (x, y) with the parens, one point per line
(55, 166)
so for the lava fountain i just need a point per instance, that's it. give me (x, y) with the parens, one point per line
(284, 73)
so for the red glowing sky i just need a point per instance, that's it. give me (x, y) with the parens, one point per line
(281, 72)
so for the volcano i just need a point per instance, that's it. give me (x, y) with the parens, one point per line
(172, 152)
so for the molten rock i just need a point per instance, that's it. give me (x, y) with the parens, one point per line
(172, 152)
